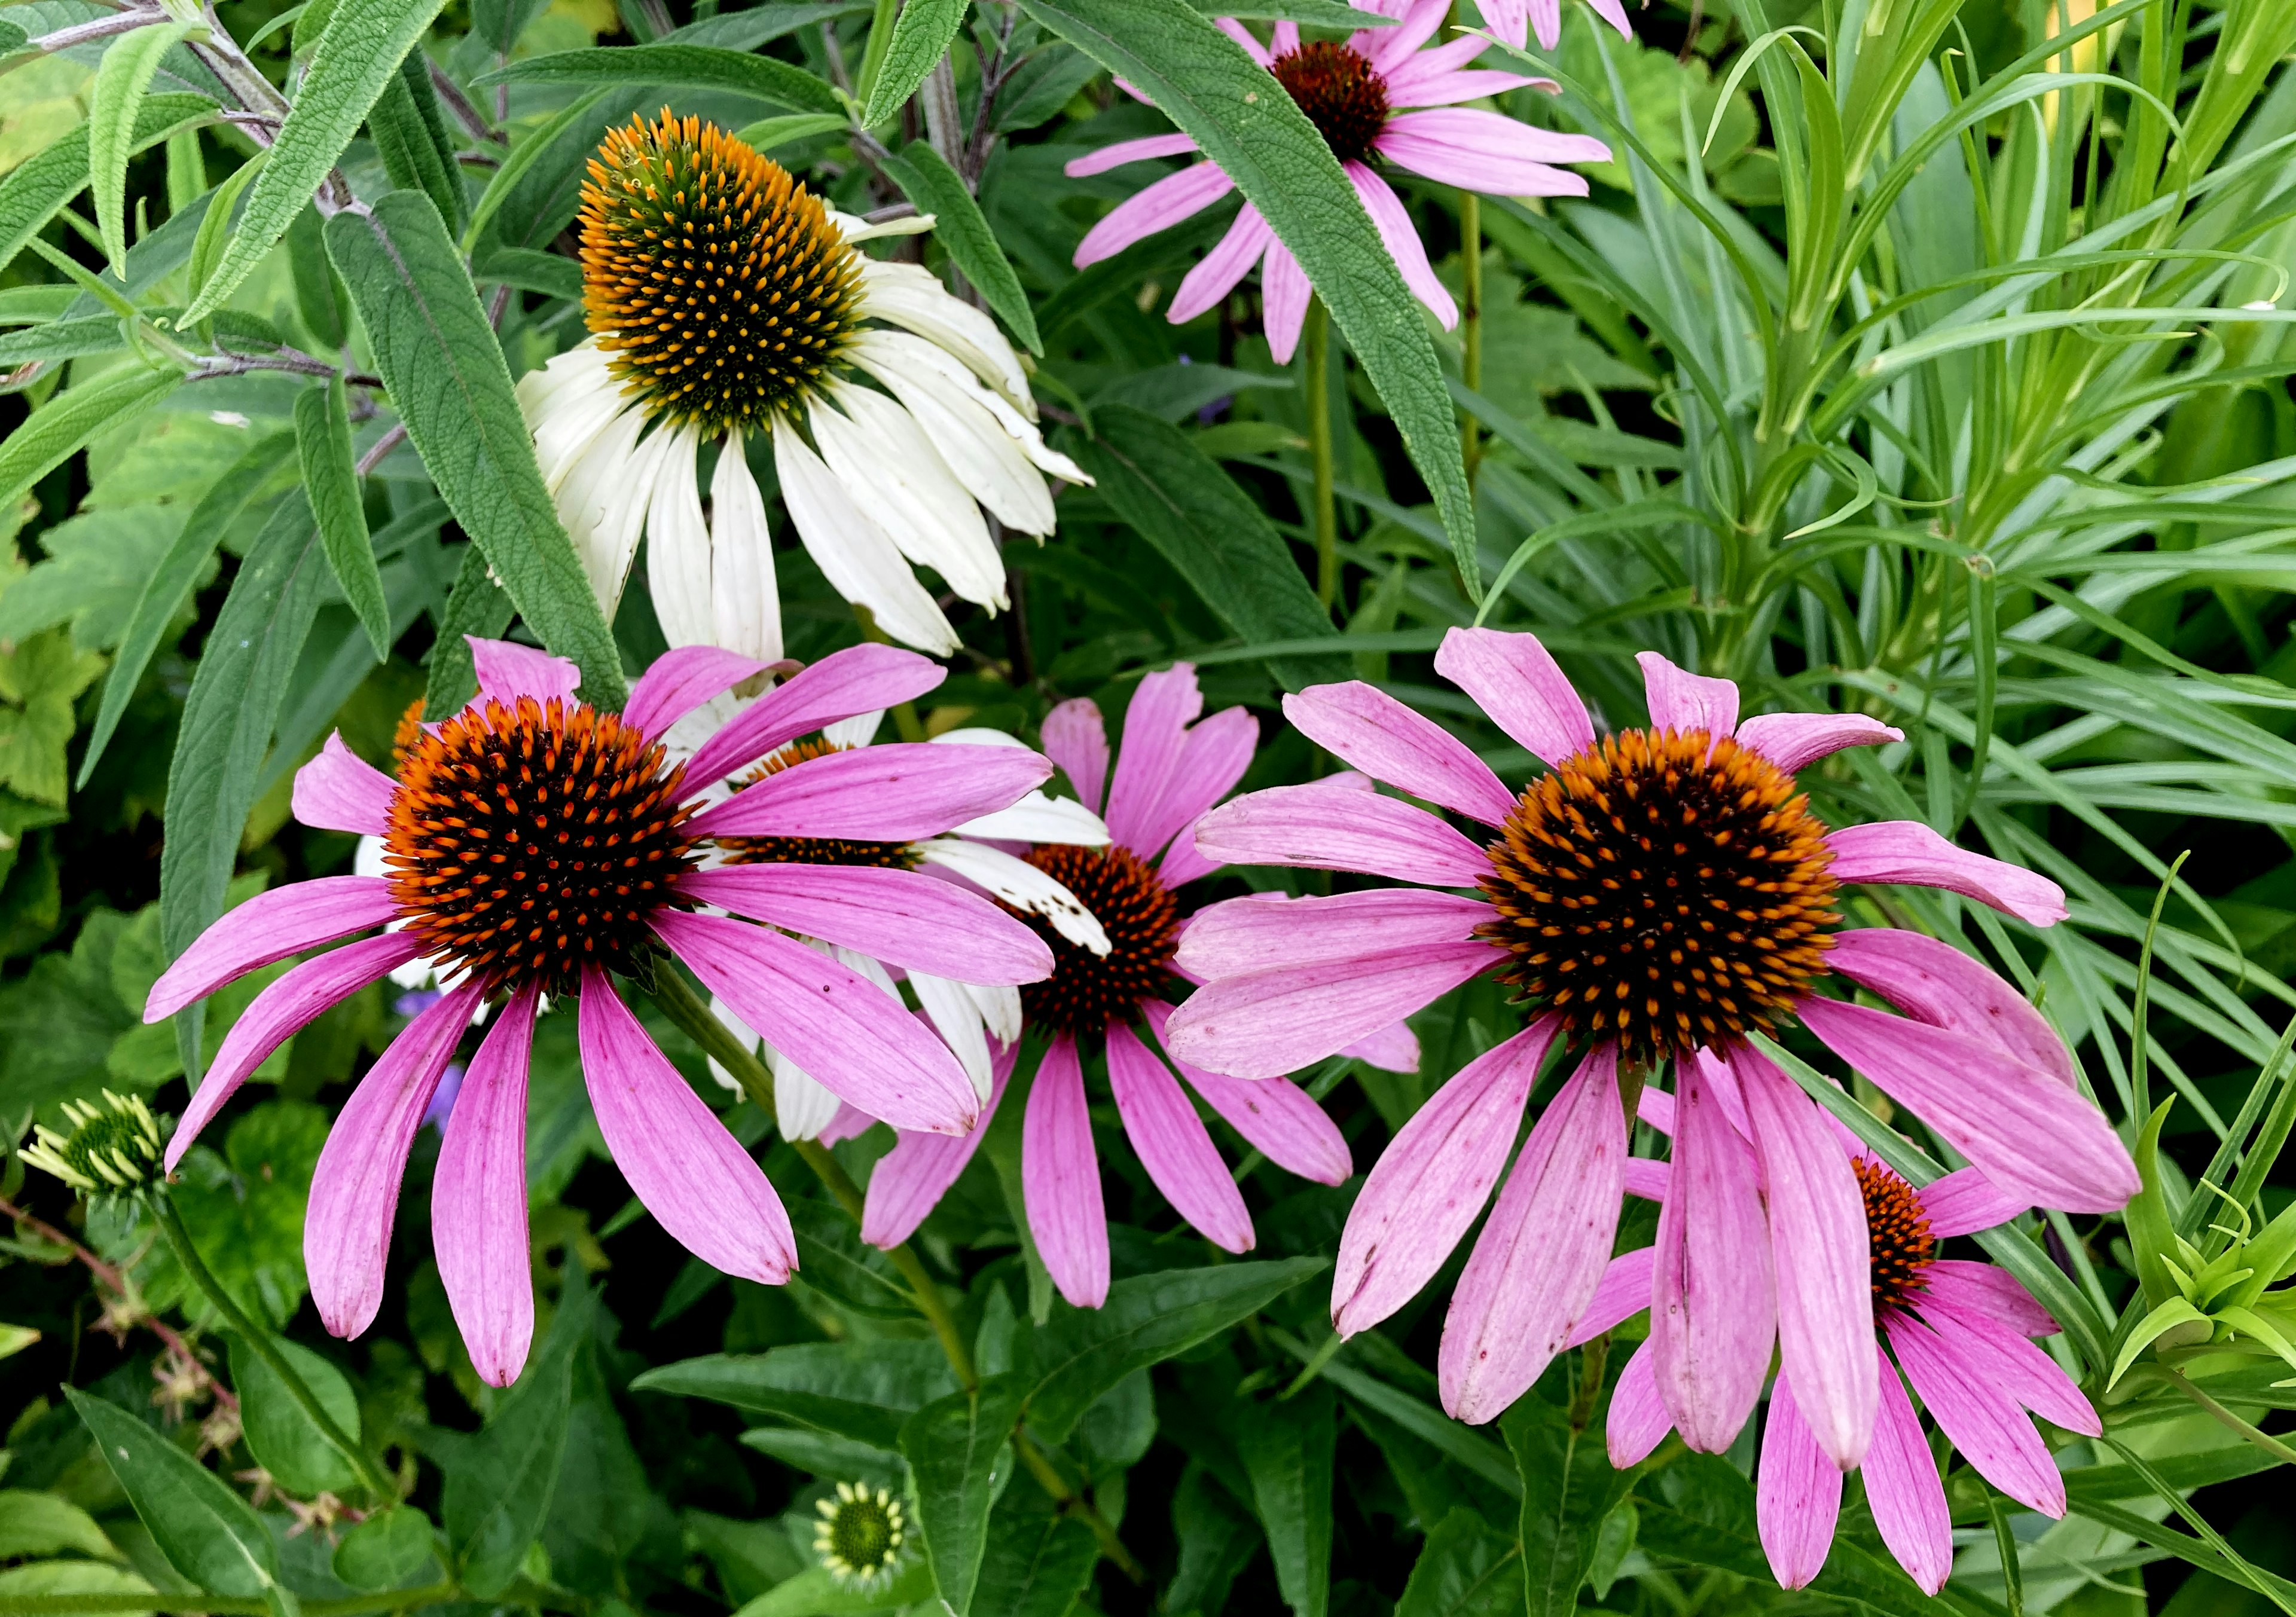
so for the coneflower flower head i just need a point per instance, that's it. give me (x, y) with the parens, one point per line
(860, 1535)
(113, 1149)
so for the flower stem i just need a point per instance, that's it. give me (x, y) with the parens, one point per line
(221, 1606)
(179, 1242)
(2233, 1423)
(1326, 513)
(1470, 322)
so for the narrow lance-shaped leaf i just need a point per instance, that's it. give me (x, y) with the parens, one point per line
(208, 1533)
(58, 429)
(323, 443)
(40, 185)
(363, 44)
(692, 67)
(401, 125)
(963, 232)
(952, 1446)
(475, 606)
(922, 34)
(121, 80)
(1287, 1449)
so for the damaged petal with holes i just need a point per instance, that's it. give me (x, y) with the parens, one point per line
(533, 848)
(731, 312)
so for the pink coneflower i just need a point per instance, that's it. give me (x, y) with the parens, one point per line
(1507, 18)
(1656, 893)
(1960, 1332)
(1170, 770)
(534, 846)
(1356, 94)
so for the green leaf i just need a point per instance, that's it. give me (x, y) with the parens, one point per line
(282, 1439)
(36, 191)
(921, 35)
(62, 340)
(476, 605)
(2176, 1312)
(217, 223)
(816, 1593)
(222, 510)
(208, 1533)
(689, 66)
(1567, 1488)
(863, 1391)
(963, 231)
(1084, 1351)
(500, 1483)
(319, 296)
(953, 1446)
(1038, 1560)
(356, 55)
(444, 368)
(1465, 1569)
(1214, 534)
(769, 133)
(61, 428)
(386, 1549)
(522, 158)
(833, 1258)
(1287, 1450)
(1323, 13)
(500, 22)
(549, 273)
(1204, 81)
(404, 138)
(121, 81)
(242, 679)
(323, 445)
(2151, 1233)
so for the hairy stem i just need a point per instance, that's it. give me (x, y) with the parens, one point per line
(2233, 1423)
(1470, 322)
(1326, 511)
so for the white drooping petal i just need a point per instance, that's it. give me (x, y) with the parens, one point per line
(678, 547)
(1000, 1008)
(858, 731)
(979, 735)
(945, 395)
(740, 1030)
(854, 228)
(1037, 817)
(1019, 884)
(891, 471)
(910, 295)
(567, 404)
(803, 1106)
(746, 600)
(852, 552)
(603, 503)
(957, 1019)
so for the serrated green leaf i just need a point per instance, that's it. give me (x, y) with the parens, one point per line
(405, 124)
(694, 66)
(963, 232)
(522, 158)
(1465, 1569)
(1039, 1560)
(1202, 80)
(1567, 1488)
(62, 340)
(1287, 1452)
(358, 54)
(863, 1391)
(323, 443)
(444, 368)
(43, 184)
(952, 1446)
(120, 83)
(922, 34)
(282, 1437)
(58, 429)
(208, 1533)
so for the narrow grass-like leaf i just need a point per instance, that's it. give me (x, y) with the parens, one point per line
(963, 232)
(361, 48)
(323, 443)
(59, 428)
(40, 185)
(445, 371)
(922, 34)
(522, 158)
(121, 81)
(692, 67)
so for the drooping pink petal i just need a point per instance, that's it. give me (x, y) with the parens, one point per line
(1129, 151)
(1933, 982)
(2032, 1136)
(1984, 1288)
(1172, 1143)
(1648, 1179)
(1539, 1260)
(1478, 150)
(1964, 1202)
(1183, 862)
(859, 679)
(1274, 1114)
(1438, 64)
(1284, 292)
(341, 791)
(1516, 681)
(1713, 1301)
(1908, 853)
(1437, 89)
(1401, 238)
(1076, 740)
(267, 928)
(837, 1026)
(1979, 1416)
(1155, 736)
(1306, 825)
(478, 1200)
(1393, 743)
(1681, 701)
(850, 1122)
(1638, 1421)
(1213, 758)
(1792, 740)
(1623, 1292)
(1656, 1108)
(1903, 1488)
(1998, 1355)
(903, 917)
(355, 1184)
(1432, 1181)
(1270, 932)
(1615, 14)
(1243, 36)
(278, 1013)
(1158, 207)
(1217, 272)
(897, 792)
(508, 670)
(1823, 1267)
(695, 1178)
(1417, 22)
(1797, 1494)
(1271, 1023)
(1284, 37)
(680, 681)
(909, 1180)
(1393, 1049)
(1060, 1179)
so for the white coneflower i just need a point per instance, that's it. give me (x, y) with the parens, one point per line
(724, 299)
(860, 1535)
